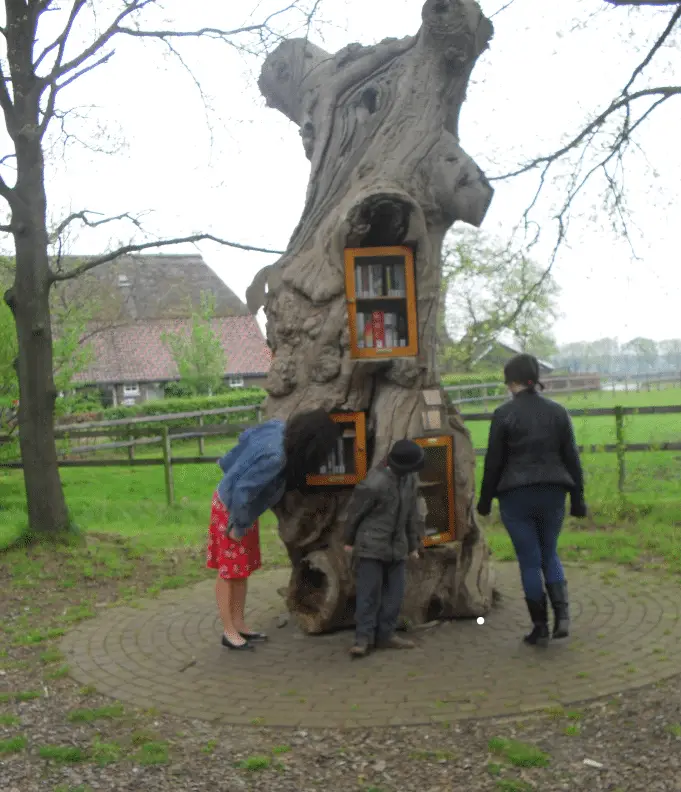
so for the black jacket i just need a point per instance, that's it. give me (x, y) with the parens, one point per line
(531, 441)
(383, 520)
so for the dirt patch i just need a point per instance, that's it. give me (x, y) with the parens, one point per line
(58, 737)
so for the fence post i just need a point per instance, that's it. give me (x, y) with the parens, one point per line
(619, 432)
(202, 446)
(131, 448)
(258, 414)
(168, 467)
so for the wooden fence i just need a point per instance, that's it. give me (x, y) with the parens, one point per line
(495, 392)
(138, 437)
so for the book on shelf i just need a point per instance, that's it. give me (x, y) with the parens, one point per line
(380, 329)
(380, 280)
(335, 464)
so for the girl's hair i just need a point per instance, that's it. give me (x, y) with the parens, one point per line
(308, 440)
(523, 370)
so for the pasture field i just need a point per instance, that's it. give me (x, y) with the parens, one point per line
(641, 527)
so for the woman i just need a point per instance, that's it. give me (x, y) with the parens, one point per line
(531, 462)
(268, 461)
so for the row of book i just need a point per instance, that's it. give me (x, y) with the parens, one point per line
(381, 330)
(336, 463)
(380, 280)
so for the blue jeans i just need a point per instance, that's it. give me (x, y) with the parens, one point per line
(533, 517)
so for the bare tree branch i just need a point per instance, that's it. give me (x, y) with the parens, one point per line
(502, 9)
(83, 217)
(642, 2)
(62, 69)
(656, 46)
(60, 42)
(664, 92)
(127, 249)
(6, 191)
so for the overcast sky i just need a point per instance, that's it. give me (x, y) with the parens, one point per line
(239, 170)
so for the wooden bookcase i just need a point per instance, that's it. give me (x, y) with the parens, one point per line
(381, 297)
(437, 487)
(350, 459)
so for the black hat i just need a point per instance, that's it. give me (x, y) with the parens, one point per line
(406, 457)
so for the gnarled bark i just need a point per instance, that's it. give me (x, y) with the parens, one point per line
(380, 127)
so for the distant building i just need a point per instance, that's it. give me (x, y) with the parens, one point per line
(139, 299)
(497, 354)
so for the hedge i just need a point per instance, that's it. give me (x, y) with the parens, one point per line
(242, 397)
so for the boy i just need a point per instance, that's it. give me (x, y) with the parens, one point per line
(383, 527)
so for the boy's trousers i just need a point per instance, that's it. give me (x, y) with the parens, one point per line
(380, 591)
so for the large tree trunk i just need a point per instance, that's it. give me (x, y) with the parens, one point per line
(29, 301)
(380, 126)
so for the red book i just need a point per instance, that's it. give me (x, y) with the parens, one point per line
(378, 325)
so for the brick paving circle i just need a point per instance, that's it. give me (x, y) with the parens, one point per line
(166, 654)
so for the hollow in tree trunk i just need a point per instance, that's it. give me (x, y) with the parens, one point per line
(380, 127)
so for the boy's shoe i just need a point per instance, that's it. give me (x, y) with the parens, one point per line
(395, 642)
(360, 649)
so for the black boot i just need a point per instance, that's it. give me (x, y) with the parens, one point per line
(558, 594)
(539, 615)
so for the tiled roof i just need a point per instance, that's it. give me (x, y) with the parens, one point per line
(163, 286)
(136, 353)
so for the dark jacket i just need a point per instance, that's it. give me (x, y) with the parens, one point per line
(531, 441)
(383, 520)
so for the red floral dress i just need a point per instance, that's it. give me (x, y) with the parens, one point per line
(235, 559)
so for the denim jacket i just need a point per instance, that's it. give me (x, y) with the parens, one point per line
(253, 479)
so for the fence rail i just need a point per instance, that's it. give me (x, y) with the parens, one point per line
(168, 435)
(574, 383)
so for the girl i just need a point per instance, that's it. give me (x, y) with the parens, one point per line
(531, 463)
(268, 461)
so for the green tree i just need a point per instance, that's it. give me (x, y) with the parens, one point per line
(645, 352)
(491, 291)
(198, 354)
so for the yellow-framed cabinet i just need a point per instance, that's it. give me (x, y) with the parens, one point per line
(347, 464)
(381, 297)
(437, 488)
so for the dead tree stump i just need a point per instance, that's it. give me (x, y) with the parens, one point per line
(380, 127)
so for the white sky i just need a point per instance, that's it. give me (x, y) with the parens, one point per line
(535, 86)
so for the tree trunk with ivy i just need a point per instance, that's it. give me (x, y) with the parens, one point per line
(380, 127)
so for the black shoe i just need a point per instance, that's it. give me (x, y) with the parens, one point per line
(255, 636)
(539, 615)
(237, 647)
(558, 594)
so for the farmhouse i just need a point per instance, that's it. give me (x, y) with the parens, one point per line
(138, 299)
(497, 354)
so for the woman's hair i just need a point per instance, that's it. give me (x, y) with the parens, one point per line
(523, 370)
(308, 440)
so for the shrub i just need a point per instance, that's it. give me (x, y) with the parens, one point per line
(235, 398)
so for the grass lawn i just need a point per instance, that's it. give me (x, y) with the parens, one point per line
(644, 527)
(138, 546)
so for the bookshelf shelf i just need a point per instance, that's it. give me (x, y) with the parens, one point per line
(349, 463)
(381, 298)
(437, 485)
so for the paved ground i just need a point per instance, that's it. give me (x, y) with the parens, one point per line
(166, 654)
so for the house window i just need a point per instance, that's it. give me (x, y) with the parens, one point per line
(131, 389)
(235, 382)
